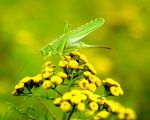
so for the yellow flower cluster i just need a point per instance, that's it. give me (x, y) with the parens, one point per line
(89, 82)
(46, 79)
(51, 80)
(47, 70)
(83, 69)
(27, 83)
(127, 114)
(101, 115)
(112, 87)
(122, 112)
(111, 106)
(82, 100)
(74, 97)
(76, 60)
(80, 82)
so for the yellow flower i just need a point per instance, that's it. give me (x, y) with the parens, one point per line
(19, 86)
(62, 63)
(46, 84)
(48, 63)
(93, 106)
(75, 53)
(130, 114)
(92, 87)
(110, 106)
(93, 97)
(67, 96)
(95, 118)
(37, 79)
(94, 79)
(101, 101)
(89, 113)
(57, 101)
(25, 80)
(83, 58)
(90, 68)
(83, 84)
(62, 75)
(46, 75)
(121, 116)
(116, 91)
(65, 106)
(82, 96)
(110, 82)
(56, 80)
(87, 73)
(75, 92)
(67, 58)
(87, 92)
(48, 69)
(120, 91)
(15, 92)
(73, 64)
(98, 82)
(81, 107)
(103, 114)
(75, 99)
(119, 108)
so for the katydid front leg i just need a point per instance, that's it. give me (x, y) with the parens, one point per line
(64, 41)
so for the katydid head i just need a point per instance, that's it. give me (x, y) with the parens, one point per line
(45, 53)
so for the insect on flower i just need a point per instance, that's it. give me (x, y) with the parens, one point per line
(70, 40)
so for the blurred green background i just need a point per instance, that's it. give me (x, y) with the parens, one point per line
(28, 25)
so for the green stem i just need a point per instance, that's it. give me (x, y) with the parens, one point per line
(71, 113)
(47, 98)
(57, 91)
(95, 113)
(71, 80)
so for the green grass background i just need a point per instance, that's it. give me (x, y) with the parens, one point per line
(28, 25)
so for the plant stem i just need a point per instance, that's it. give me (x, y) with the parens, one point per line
(71, 80)
(57, 91)
(94, 114)
(71, 113)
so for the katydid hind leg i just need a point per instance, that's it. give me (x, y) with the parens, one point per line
(94, 46)
(79, 45)
(60, 54)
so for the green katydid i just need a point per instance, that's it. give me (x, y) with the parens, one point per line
(70, 40)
